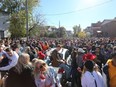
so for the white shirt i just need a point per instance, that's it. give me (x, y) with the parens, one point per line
(2, 52)
(88, 79)
(63, 51)
(12, 61)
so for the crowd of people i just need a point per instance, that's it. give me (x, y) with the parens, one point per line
(26, 63)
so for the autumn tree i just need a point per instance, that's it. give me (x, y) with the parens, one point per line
(82, 34)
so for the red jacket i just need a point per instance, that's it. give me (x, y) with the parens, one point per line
(41, 55)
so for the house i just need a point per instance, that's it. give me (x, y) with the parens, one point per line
(96, 29)
(109, 28)
(89, 30)
(4, 25)
(106, 28)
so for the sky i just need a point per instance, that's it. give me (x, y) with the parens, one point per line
(75, 12)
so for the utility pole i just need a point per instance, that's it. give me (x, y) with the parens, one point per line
(59, 24)
(59, 29)
(26, 10)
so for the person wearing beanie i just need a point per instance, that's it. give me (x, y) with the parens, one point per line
(90, 77)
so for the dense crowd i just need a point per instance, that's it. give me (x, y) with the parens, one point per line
(31, 63)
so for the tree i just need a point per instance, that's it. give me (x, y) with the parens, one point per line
(16, 11)
(13, 6)
(10, 6)
(52, 35)
(38, 31)
(17, 26)
(36, 24)
(82, 34)
(62, 32)
(76, 30)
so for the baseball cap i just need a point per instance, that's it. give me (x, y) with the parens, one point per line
(81, 50)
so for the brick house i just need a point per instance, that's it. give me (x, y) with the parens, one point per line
(95, 27)
(109, 29)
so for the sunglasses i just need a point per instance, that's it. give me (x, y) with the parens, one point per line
(42, 65)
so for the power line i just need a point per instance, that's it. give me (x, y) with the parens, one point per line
(70, 12)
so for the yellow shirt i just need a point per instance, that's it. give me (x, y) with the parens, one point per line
(112, 74)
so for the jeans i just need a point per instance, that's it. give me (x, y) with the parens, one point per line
(66, 68)
(48, 61)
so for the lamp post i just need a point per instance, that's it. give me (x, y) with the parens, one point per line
(27, 28)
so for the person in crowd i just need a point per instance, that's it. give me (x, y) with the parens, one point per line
(41, 45)
(21, 74)
(75, 72)
(33, 61)
(58, 61)
(12, 59)
(109, 51)
(89, 56)
(45, 76)
(7, 43)
(63, 52)
(46, 46)
(114, 49)
(79, 59)
(99, 57)
(103, 51)
(110, 71)
(91, 77)
(3, 59)
(92, 57)
(40, 54)
(2, 43)
(56, 58)
(29, 51)
(51, 44)
(15, 47)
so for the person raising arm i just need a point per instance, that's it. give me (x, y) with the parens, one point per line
(13, 59)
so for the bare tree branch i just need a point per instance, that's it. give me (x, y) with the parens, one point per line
(38, 21)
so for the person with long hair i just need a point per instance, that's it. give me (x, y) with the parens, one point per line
(31, 52)
(45, 76)
(21, 75)
(75, 72)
